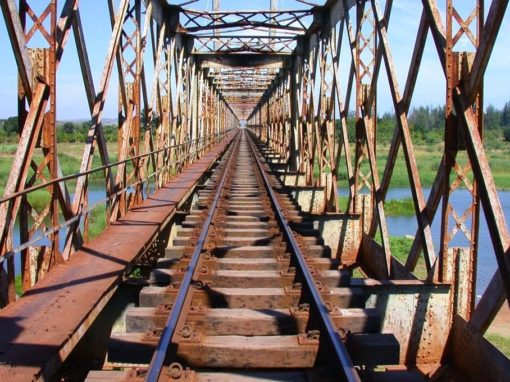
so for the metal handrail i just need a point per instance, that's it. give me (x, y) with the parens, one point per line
(104, 167)
(47, 232)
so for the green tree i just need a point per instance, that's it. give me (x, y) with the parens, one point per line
(11, 125)
(69, 128)
(506, 134)
(505, 115)
(492, 118)
(420, 118)
(385, 127)
(438, 116)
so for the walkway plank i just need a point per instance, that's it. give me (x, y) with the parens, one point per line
(40, 330)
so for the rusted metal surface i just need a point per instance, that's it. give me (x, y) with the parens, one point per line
(310, 199)
(200, 334)
(405, 134)
(342, 233)
(465, 222)
(164, 148)
(416, 313)
(479, 360)
(494, 296)
(41, 329)
(38, 122)
(279, 70)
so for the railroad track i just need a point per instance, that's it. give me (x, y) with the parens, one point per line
(248, 292)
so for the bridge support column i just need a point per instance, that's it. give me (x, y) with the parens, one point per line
(36, 130)
(456, 162)
(342, 233)
(366, 112)
(129, 65)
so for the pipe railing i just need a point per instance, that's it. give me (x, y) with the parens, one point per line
(175, 158)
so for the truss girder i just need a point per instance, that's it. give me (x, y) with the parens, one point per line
(282, 71)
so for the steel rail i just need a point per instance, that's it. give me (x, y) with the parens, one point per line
(327, 328)
(159, 356)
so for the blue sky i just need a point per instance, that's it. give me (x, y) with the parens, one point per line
(430, 89)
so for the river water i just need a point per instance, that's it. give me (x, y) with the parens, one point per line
(460, 199)
(399, 226)
(96, 193)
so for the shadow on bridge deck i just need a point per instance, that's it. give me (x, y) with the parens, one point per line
(41, 329)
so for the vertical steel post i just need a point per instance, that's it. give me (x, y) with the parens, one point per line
(366, 51)
(43, 69)
(459, 172)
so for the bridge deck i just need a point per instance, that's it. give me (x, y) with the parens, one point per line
(39, 330)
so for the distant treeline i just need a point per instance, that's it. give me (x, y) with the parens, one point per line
(427, 124)
(66, 131)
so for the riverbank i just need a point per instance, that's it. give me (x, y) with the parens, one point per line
(428, 158)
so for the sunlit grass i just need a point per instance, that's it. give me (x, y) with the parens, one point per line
(97, 221)
(499, 341)
(399, 207)
(18, 285)
(428, 158)
(8, 148)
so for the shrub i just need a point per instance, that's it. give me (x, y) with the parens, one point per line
(506, 134)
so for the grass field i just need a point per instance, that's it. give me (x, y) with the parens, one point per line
(501, 342)
(428, 158)
(392, 207)
(70, 155)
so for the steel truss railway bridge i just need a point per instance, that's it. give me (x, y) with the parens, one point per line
(226, 255)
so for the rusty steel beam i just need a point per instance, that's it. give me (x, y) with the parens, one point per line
(468, 222)
(18, 175)
(366, 125)
(97, 112)
(490, 201)
(494, 215)
(342, 107)
(76, 212)
(43, 67)
(16, 34)
(412, 167)
(288, 89)
(397, 139)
